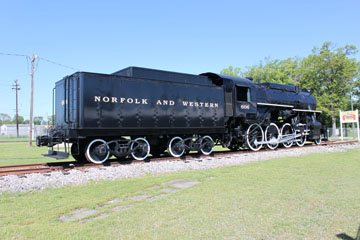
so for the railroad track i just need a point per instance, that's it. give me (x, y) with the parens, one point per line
(27, 168)
(66, 166)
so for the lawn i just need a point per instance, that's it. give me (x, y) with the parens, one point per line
(13, 139)
(309, 197)
(12, 153)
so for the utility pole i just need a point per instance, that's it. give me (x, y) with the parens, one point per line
(33, 58)
(16, 88)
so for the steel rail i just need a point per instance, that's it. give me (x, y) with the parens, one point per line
(66, 166)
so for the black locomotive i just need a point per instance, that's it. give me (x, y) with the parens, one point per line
(139, 111)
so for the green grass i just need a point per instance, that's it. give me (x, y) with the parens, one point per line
(13, 139)
(308, 197)
(12, 153)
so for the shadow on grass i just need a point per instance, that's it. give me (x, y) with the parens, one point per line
(344, 236)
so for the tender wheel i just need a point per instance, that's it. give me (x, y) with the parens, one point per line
(175, 147)
(254, 137)
(140, 149)
(78, 153)
(287, 132)
(272, 136)
(207, 145)
(300, 141)
(318, 141)
(97, 151)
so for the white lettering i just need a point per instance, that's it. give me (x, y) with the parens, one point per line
(164, 102)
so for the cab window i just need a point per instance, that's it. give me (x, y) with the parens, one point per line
(242, 94)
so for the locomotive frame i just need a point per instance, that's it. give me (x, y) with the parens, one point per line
(137, 111)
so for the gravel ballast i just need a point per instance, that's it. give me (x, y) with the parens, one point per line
(38, 181)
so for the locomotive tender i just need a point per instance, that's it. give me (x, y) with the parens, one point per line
(139, 111)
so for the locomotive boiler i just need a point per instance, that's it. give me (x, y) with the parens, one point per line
(138, 111)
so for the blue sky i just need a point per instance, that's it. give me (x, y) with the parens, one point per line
(183, 36)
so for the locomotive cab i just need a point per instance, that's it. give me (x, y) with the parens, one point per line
(245, 107)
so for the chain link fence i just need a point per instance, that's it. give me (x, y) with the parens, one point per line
(348, 133)
(10, 131)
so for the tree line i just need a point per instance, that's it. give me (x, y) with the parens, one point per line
(331, 73)
(38, 120)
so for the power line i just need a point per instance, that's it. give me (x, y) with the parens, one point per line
(46, 60)
(14, 54)
(59, 64)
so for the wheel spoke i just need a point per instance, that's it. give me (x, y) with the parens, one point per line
(207, 145)
(272, 136)
(175, 147)
(254, 137)
(301, 140)
(318, 141)
(286, 132)
(97, 151)
(140, 149)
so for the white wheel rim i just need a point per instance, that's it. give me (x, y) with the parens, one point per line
(202, 150)
(147, 152)
(88, 154)
(302, 142)
(272, 146)
(289, 143)
(318, 141)
(171, 151)
(247, 137)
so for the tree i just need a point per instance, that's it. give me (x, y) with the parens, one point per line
(4, 118)
(331, 75)
(51, 120)
(38, 120)
(231, 71)
(278, 71)
(20, 120)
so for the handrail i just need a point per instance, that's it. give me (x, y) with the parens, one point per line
(53, 107)
(65, 100)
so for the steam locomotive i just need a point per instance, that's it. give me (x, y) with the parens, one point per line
(137, 111)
